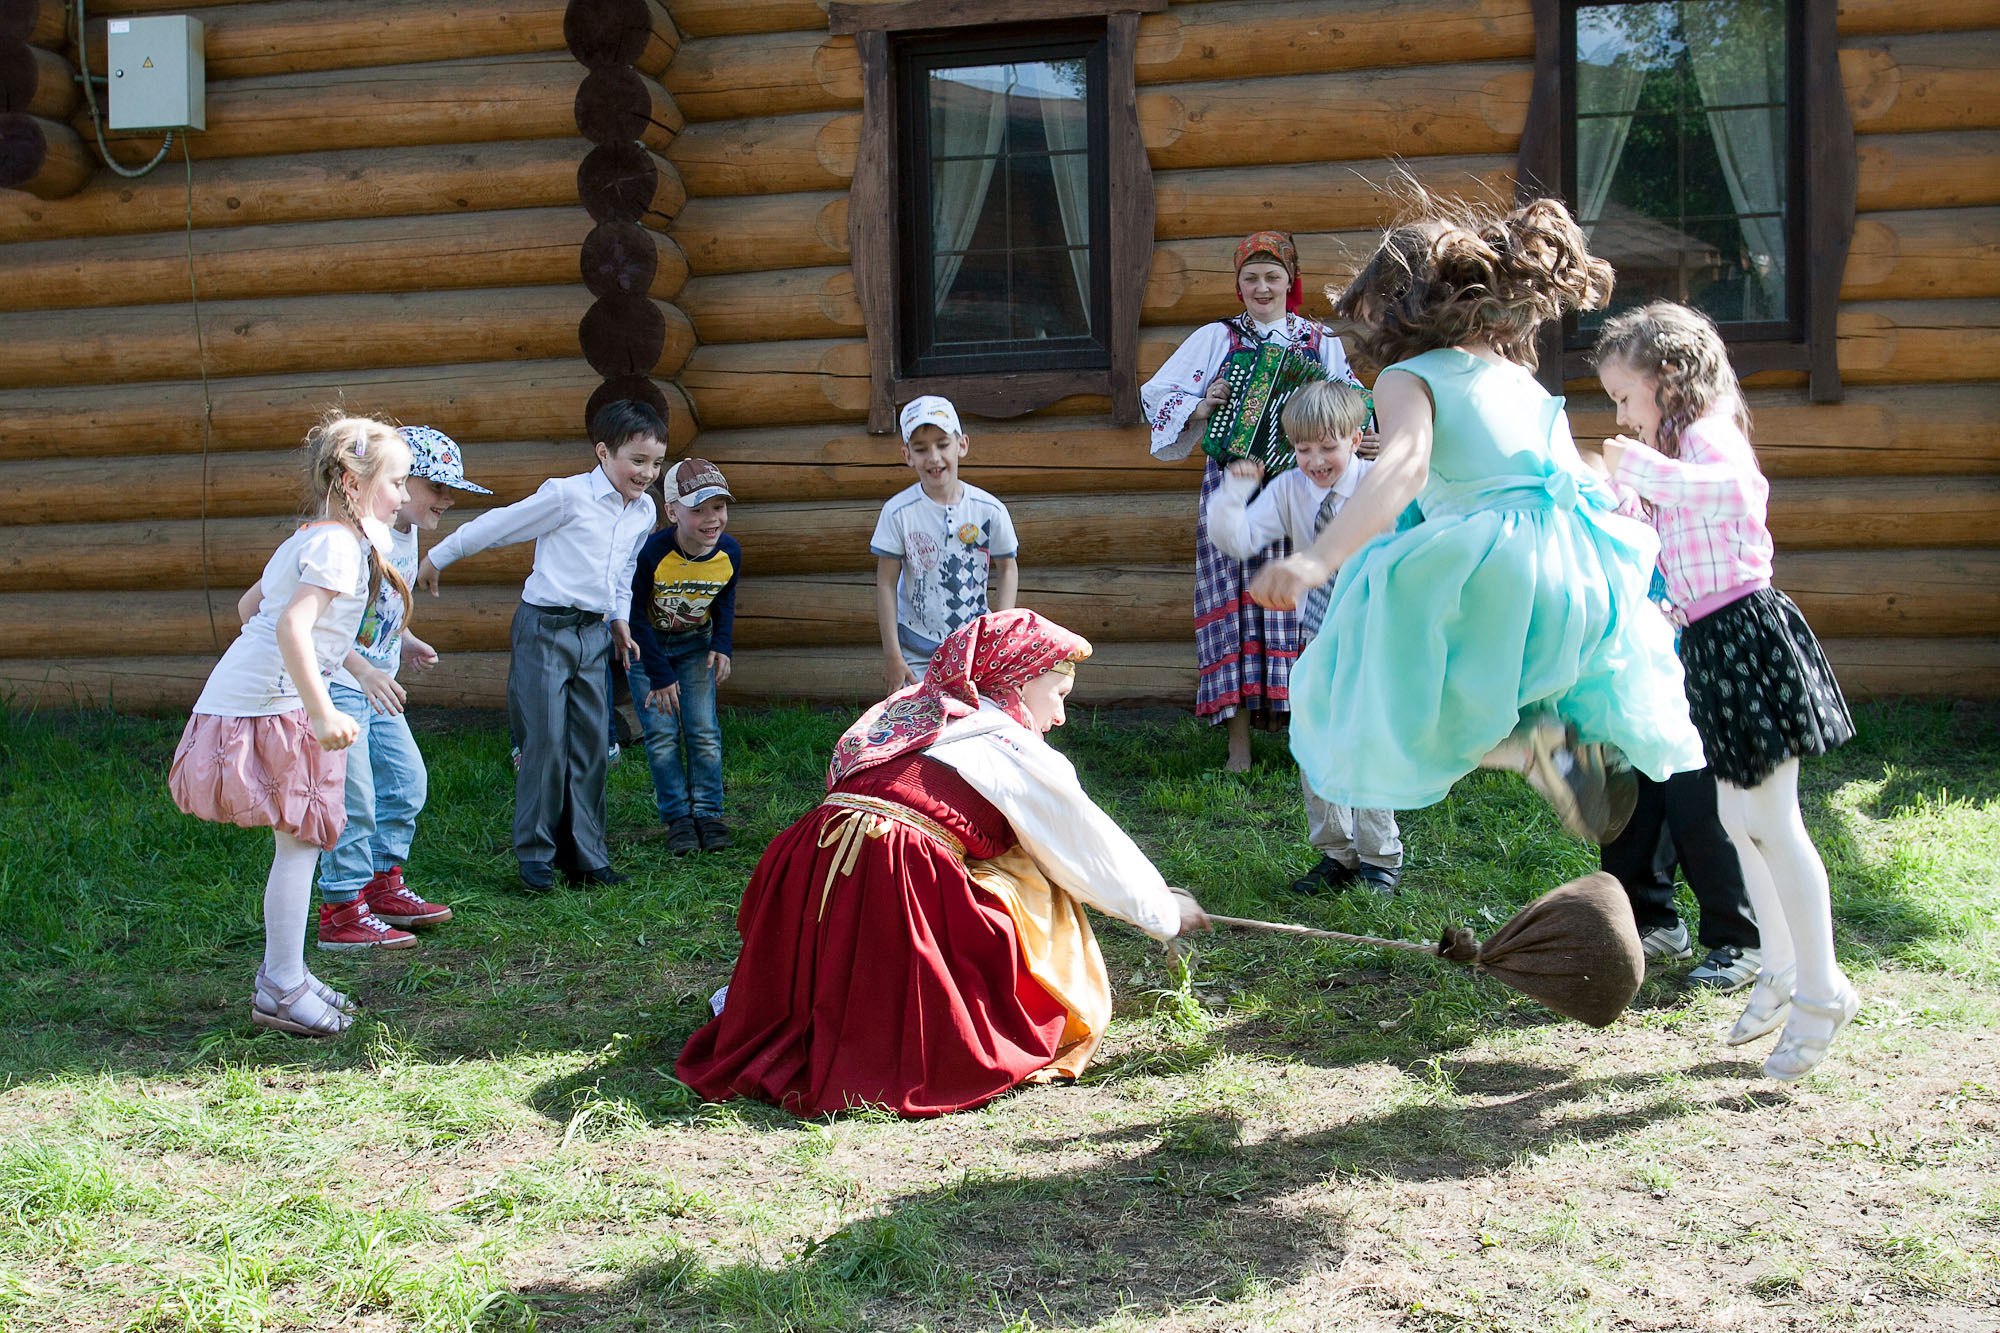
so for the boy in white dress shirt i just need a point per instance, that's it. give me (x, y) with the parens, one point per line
(1324, 422)
(574, 613)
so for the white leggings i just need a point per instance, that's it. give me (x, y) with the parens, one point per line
(1785, 878)
(287, 899)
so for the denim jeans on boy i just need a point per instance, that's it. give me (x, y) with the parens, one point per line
(386, 786)
(685, 750)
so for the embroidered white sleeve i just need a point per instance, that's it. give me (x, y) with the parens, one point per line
(1169, 397)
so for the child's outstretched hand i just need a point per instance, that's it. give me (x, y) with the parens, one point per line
(1247, 467)
(427, 576)
(336, 730)
(420, 655)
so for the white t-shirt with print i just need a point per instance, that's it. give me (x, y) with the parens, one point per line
(947, 553)
(250, 680)
(389, 616)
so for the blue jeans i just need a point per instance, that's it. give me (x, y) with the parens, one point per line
(684, 751)
(386, 786)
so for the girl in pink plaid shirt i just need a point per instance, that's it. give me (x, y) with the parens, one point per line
(1759, 688)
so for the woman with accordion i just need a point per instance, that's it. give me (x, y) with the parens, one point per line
(1240, 368)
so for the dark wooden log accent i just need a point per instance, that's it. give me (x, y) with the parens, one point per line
(760, 232)
(1924, 81)
(625, 258)
(37, 82)
(635, 335)
(498, 400)
(622, 388)
(513, 248)
(608, 33)
(1951, 252)
(310, 187)
(842, 16)
(618, 104)
(241, 41)
(780, 155)
(1131, 222)
(628, 182)
(871, 229)
(391, 106)
(1952, 170)
(34, 22)
(44, 158)
(1830, 191)
(308, 333)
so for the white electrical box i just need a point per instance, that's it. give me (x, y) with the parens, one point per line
(157, 74)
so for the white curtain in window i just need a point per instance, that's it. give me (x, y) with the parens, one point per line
(1609, 75)
(967, 124)
(1068, 127)
(1737, 49)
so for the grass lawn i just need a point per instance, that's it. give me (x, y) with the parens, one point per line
(1284, 1136)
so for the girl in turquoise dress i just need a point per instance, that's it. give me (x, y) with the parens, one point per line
(1510, 627)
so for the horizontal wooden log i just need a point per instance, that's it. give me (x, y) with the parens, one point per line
(628, 182)
(37, 22)
(639, 33)
(635, 335)
(796, 538)
(778, 384)
(766, 74)
(1460, 108)
(1248, 39)
(617, 104)
(1949, 170)
(1933, 253)
(625, 258)
(297, 36)
(1930, 81)
(392, 106)
(723, 18)
(310, 187)
(758, 232)
(41, 158)
(515, 248)
(1904, 342)
(778, 155)
(1858, 18)
(1956, 668)
(1898, 430)
(1869, 594)
(498, 400)
(125, 343)
(1224, 202)
(37, 82)
(1194, 281)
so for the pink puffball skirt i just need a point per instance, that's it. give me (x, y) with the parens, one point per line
(261, 772)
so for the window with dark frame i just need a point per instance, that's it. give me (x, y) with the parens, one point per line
(1004, 219)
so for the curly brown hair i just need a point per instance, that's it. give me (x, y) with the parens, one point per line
(1681, 352)
(1456, 273)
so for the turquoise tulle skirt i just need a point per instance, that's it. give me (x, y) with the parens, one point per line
(1512, 596)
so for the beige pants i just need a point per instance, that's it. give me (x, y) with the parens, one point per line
(1353, 837)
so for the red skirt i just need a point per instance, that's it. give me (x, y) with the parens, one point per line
(898, 984)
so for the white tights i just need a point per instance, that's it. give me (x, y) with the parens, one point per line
(287, 900)
(1786, 880)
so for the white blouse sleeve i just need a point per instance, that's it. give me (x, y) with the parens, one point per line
(1334, 357)
(1075, 844)
(1169, 397)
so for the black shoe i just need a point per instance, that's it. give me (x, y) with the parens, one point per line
(537, 876)
(714, 833)
(1328, 874)
(682, 837)
(598, 877)
(1379, 878)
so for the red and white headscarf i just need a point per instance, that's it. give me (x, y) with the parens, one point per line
(989, 658)
(1274, 247)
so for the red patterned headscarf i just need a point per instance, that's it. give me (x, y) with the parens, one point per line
(1274, 247)
(988, 658)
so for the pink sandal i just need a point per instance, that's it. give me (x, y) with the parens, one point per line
(272, 1008)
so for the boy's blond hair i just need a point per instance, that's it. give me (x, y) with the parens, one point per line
(1324, 410)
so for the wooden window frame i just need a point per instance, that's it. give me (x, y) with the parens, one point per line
(875, 203)
(1824, 173)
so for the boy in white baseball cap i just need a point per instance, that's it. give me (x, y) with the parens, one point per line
(945, 550)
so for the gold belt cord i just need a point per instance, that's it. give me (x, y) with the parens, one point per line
(864, 817)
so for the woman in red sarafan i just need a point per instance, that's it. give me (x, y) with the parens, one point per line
(917, 941)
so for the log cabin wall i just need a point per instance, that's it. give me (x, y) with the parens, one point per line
(1256, 113)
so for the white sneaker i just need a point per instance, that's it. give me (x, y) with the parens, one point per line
(1727, 968)
(1667, 944)
(1770, 1003)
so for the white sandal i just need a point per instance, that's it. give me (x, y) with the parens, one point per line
(328, 996)
(272, 1008)
(1769, 1004)
(1794, 1057)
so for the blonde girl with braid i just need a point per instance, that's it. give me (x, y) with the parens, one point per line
(1758, 685)
(265, 747)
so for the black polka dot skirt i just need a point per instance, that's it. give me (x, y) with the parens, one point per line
(1759, 688)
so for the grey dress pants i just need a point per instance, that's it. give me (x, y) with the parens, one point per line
(557, 699)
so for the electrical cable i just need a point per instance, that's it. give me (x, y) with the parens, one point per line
(97, 120)
(207, 404)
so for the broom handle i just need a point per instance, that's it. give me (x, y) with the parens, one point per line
(1280, 928)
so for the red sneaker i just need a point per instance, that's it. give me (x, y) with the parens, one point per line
(346, 927)
(389, 900)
